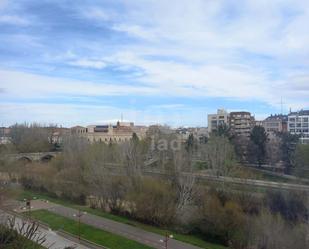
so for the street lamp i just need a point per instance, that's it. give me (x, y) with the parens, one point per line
(167, 238)
(79, 215)
(28, 206)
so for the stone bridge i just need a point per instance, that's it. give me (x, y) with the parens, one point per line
(34, 157)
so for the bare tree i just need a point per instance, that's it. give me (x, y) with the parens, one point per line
(273, 149)
(184, 177)
(133, 158)
(269, 231)
(220, 155)
(32, 138)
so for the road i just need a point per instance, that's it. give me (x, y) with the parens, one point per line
(53, 239)
(235, 180)
(258, 183)
(130, 232)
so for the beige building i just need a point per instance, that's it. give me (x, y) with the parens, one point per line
(275, 123)
(215, 120)
(5, 135)
(121, 132)
(241, 123)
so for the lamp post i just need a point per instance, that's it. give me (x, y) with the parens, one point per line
(28, 206)
(167, 238)
(79, 215)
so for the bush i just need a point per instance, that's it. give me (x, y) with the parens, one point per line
(223, 222)
(153, 202)
(268, 231)
(291, 206)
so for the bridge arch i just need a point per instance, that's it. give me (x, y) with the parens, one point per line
(24, 159)
(46, 158)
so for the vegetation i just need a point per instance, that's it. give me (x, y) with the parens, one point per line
(258, 139)
(288, 147)
(32, 138)
(301, 158)
(23, 236)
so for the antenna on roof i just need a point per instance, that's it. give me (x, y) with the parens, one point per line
(281, 106)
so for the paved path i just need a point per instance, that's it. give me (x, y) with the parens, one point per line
(242, 181)
(53, 240)
(130, 232)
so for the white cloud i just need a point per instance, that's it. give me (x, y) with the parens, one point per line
(97, 13)
(14, 20)
(97, 64)
(82, 114)
(272, 27)
(137, 31)
(202, 80)
(27, 85)
(3, 3)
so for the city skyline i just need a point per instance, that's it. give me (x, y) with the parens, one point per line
(152, 61)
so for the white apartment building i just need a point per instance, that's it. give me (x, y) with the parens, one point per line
(214, 120)
(298, 123)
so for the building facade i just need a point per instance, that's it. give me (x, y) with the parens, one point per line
(298, 123)
(241, 123)
(275, 123)
(5, 135)
(119, 133)
(215, 120)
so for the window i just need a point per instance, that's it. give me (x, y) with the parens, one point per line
(292, 119)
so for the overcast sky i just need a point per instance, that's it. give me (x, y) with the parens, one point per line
(157, 61)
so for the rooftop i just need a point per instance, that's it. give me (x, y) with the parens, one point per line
(301, 112)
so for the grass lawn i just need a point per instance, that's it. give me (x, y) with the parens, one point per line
(90, 233)
(190, 239)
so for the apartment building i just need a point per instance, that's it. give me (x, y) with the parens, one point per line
(215, 120)
(298, 123)
(275, 123)
(241, 123)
